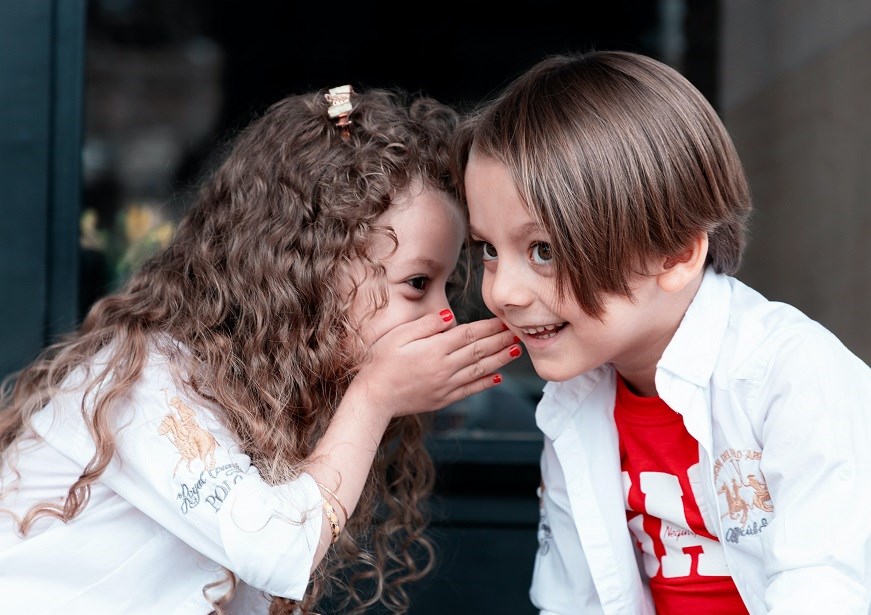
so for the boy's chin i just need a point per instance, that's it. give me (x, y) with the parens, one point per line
(556, 371)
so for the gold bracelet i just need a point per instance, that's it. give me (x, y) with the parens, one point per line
(335, 498)
(334, 521)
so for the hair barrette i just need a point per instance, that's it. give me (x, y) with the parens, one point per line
(341, 107)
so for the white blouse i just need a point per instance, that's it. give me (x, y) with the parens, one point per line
(178, 505)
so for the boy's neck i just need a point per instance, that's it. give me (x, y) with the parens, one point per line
(640, 373)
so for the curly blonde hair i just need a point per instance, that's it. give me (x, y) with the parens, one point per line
(250, 284)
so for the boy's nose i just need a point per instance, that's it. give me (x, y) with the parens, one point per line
(506, 287)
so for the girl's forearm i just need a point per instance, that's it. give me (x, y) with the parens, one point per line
(341, 461)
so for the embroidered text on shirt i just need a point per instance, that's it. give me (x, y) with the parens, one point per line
(217, 484)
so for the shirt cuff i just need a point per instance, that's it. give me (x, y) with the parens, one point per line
(271, 534)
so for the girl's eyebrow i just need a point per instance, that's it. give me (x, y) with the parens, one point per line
(425, 263)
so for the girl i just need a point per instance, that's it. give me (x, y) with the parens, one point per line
(706, 450)
(254, 393)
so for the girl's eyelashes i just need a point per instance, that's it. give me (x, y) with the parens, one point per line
(540, 253)
(419, 282)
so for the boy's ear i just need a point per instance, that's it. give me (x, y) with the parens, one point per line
(679, 269)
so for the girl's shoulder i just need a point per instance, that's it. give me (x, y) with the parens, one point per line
(164, 370)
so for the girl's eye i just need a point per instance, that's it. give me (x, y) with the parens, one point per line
(541, 254)
(420, 282)
(488, 252)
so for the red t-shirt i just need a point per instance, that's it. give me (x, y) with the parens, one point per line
(685, 563)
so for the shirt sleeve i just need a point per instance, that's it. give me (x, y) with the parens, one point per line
(816, 439)
(177, 464)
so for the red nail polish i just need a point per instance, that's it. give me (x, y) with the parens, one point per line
(446, 315)
(514, 351)
(516, 339)
(497, 378)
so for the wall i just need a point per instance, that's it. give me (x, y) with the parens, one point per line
(41, 70)
(794, 90)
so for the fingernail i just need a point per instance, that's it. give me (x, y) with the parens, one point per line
(446, 315)
(516, 339)
(497, 378)
(514, 351)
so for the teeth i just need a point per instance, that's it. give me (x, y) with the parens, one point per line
(537, 331)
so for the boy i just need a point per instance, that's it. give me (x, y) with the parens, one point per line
(706, 450)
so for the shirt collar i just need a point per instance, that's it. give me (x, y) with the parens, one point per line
(561, 400)
(690, 357)
(693, 350)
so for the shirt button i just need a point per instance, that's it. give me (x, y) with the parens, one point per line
(846, 473)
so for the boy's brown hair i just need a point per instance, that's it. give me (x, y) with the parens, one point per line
(621, 159)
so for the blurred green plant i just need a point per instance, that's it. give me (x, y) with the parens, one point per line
(140, 230)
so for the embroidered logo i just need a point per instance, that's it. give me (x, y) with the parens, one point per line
(192, 441)
(741, 483)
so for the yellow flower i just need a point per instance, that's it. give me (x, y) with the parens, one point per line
(137, 222)
(163, 233)
(90, 236)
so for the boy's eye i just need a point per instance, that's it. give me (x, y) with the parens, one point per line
(541, 253)
(488, 252)
(420, 282)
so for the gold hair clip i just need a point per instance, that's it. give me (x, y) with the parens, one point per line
(341, 107)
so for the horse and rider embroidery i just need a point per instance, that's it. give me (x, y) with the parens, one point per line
(192, 441)
(739, 504)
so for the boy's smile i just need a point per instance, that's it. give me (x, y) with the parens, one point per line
(545, 332)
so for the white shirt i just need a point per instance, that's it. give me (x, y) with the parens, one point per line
(774, 400)
(178, 502)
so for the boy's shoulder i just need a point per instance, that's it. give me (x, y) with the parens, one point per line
(763, 334)
(753, 315)
(731, 333)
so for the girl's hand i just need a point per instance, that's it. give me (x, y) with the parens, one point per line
(427, 364)
(416, 367)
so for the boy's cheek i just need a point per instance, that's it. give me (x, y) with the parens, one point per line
(486, 295)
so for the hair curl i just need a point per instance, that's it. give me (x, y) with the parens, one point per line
(250, 285)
